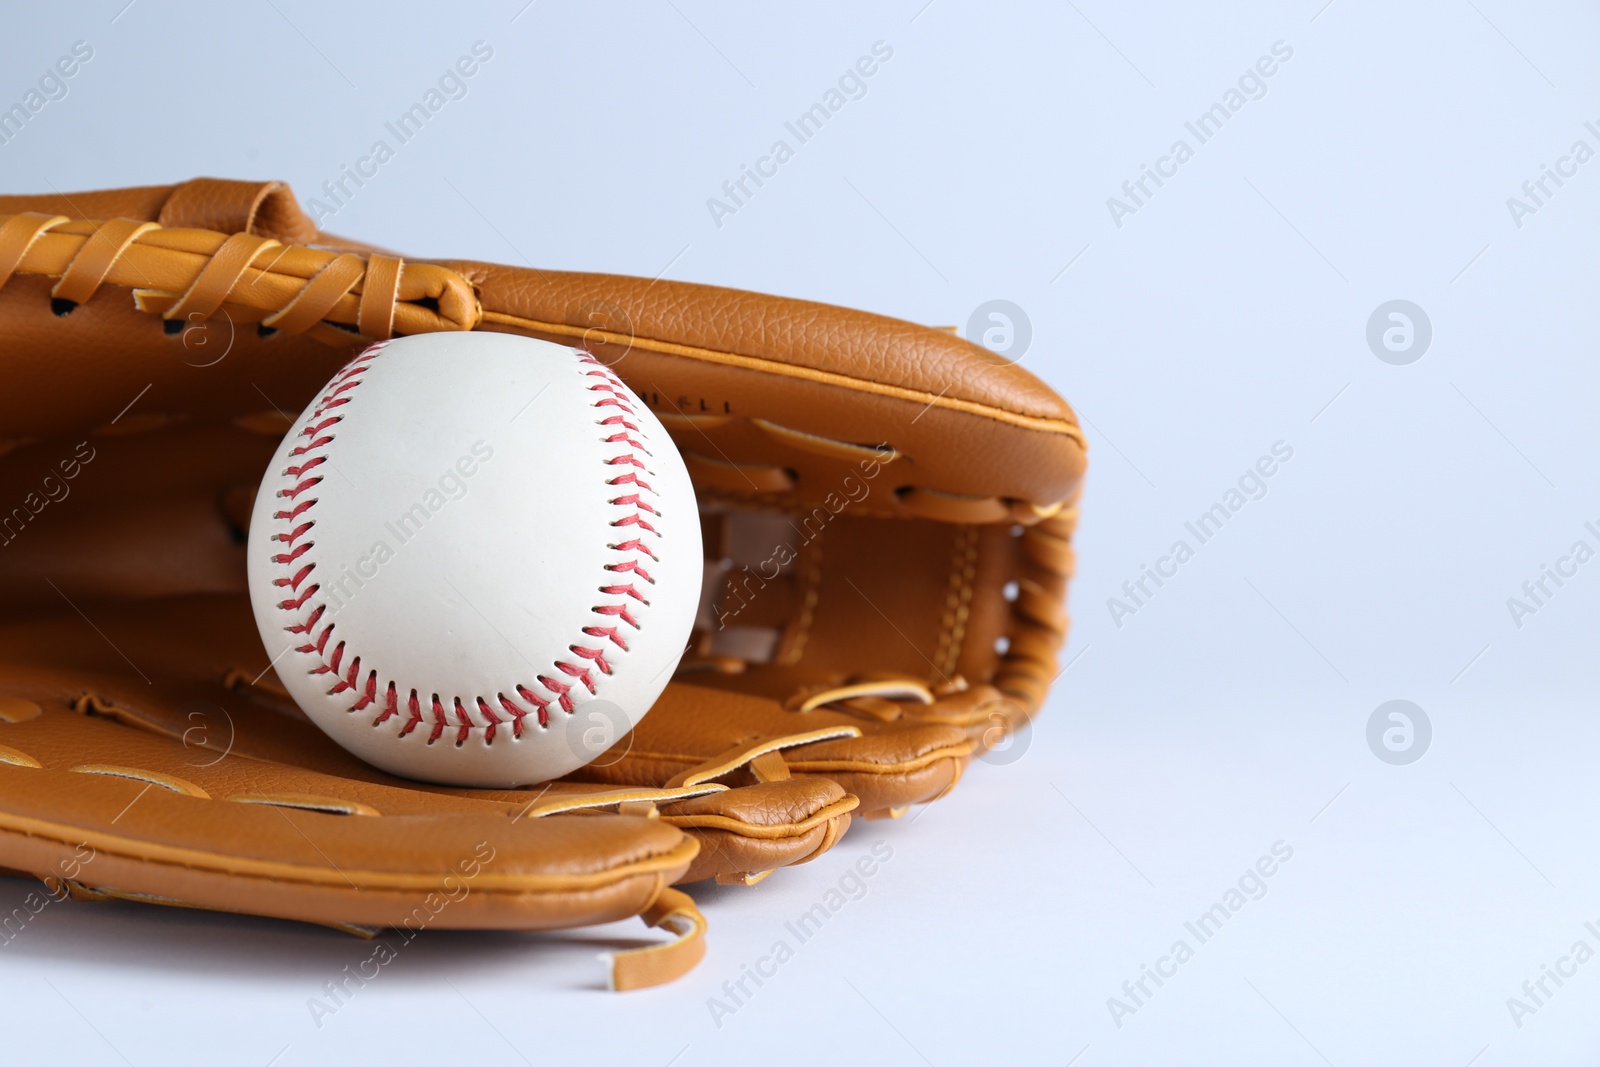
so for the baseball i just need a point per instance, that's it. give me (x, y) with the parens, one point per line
(475, 558)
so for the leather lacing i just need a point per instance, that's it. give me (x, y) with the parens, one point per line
(762, 758)
(186, 275)
(344, 299)
(1022, 677)
(348, 300)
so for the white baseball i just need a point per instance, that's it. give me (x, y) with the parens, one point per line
(475, 559)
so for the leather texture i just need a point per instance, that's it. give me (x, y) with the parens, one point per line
(887, 516)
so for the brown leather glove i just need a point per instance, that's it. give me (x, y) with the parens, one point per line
(888, 511)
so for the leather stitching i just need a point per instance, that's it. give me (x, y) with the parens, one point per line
(810, 585)
(958, 602)
(1040, 423)
(506, 886)
(802, 768)
(764, 831)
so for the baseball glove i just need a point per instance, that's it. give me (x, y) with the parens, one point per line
(888, 515)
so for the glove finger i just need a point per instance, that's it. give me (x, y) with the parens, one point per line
(245, 835)
(211, 698)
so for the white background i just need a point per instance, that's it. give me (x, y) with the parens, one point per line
(1227, 314)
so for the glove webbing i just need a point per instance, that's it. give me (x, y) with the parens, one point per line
(186, 276)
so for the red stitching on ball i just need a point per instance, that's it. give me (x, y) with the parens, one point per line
(312, 447)
(608, 632)
(638, 520)
(294, 583)
(633, 499)
(579, 672)
(305, 627)
(620, 611)
(560, 689)
(311, 453)
(494, 720)
(289, 538)
(294, 605)
(346, 386)
(349, 680)
(622, 435)
(302, 487)
(312, 431)
(290, 557)
(438, 720)
(630, 565)
(517, 714)
(333, 661)
(540, 704)
(416, 714)
(635, 545)
(624, 479)
(391, 704)
(598, 655)
(370, 694)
